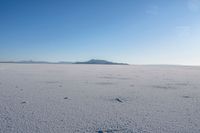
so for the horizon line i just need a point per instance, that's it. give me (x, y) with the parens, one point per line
(74, 62)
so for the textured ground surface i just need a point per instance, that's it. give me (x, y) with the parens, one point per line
(89, 98)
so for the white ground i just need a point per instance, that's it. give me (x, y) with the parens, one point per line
(83, 98)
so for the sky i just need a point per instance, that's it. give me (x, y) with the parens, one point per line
(131, 31)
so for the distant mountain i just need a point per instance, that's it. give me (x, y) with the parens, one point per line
(95, 61)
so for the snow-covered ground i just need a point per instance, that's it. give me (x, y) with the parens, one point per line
(47, 98)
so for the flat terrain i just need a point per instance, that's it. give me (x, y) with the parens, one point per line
(47, 98)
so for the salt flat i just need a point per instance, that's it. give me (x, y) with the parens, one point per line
(50, 98)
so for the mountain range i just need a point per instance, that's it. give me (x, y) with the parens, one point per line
(92, 61)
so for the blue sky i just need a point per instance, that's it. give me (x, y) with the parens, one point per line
(133, 31)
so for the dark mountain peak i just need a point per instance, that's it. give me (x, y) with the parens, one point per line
(97, 61)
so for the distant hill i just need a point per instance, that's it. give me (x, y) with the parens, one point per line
(95, 61)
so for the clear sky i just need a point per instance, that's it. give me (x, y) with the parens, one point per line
(132, 31)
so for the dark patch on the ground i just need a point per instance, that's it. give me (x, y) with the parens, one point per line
(24, 102)
(118, 100)
(66, 98)
(186, 96)
(60, 85)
